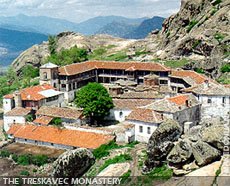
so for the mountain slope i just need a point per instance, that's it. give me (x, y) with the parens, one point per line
(12, 43)
(145, 28)
(117, 29)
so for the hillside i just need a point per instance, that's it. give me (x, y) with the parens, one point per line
(145, 28)
(13, 42)
(197, 37)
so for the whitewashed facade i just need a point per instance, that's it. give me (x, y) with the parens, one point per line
(9, 120)
(119, 114)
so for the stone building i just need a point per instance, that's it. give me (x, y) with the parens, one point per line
(183, 108)
(33, 98)
(56, 137)
(69, 116)
(74, 76)
(16, 115)
(146, 121)
(215, 99)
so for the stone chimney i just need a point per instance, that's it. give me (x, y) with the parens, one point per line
(18, 99)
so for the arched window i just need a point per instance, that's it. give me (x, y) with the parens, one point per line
(44, 75)
(121, 114)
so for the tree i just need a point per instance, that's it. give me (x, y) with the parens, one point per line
(52, 40)
(57, 122)
(95, 101)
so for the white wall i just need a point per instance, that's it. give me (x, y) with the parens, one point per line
(7, 105)
(216, 107)
(143, 136)
(69, 96)
(119, 114)
(9, 120)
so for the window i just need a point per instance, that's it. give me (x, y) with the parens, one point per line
(223, 100)
(52, 98)
(44, 75)
(120, 114)
(14, 121)
(140, 129)
(55, 85)
(149, 130)
(209, 100)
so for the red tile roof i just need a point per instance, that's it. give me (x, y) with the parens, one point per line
(59, 112)
(43, 120)
(18, 111)
(56, 135)
(179, 100)
(8, 96)
(32, 93)
(90, 65)
(198, 78)
(145, 115)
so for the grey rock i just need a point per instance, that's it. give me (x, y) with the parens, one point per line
(73, 163)
(161, 143)
(204, 153)
(191, 166)
(180, 153)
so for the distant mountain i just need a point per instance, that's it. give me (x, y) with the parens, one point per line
(145, 28)
(93, 25)
(47, 25)
(117, 29)
(13, 42)
(40, 24)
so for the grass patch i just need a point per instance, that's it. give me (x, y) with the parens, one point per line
(219, 37)
(26, 159)
(139, 53)
(196, 43)
(176, 63)
(104, 149)
(117, 159)
(214, 10)
(98, 54)
(162, 173)
(199, 70)
(24, 173)
(225, 68)
(125, 177)
(191, 25)
(119, 56)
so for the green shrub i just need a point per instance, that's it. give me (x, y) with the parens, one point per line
(225, 68)
(125, 177)
(191, 25)
(4, 154)
(176, 63)
(214, 10)
(23, 159)
(120, 56)
(117, 159)
(39, 160)
(199, 70)
(57, 122)
(29, 118)
(35, 170)
(217, 2)
(24, 173)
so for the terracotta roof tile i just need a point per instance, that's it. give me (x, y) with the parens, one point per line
(43, 120)
(90, 65)
(59, 112)
(179, 100)
(8, 96)
(194, 77)
(18, 111)
(145, 115)
(56, 135)
(32, 93)
(139, 95)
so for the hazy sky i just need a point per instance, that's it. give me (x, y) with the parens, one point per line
(80, 10)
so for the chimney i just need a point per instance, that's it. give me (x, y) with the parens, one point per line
(18, 99)
(206, 83)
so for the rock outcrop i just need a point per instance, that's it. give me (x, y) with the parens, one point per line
(161, 143)
(204, 153)
(73, 163)
(180, 153)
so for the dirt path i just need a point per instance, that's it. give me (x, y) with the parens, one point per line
(136, 171)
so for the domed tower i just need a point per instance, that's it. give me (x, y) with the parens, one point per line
(49, 75)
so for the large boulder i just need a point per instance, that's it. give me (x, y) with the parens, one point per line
(180, 153)
(204, 153)
(161, 143)
(73, 163)
(214, 134)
